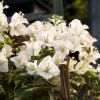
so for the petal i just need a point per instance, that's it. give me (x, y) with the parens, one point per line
(4, 66)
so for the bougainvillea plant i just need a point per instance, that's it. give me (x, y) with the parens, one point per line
(30, 55)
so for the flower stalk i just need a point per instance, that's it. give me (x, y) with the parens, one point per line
(65, 84)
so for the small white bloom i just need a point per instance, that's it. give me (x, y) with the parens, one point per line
(3, 63)
(1, 38)
(17, 25)
(90, 55)
(62, 27)
(75, 40)
(19, 18)
(3, 7)
(72, 64)
(47, 69)
(17, 30)
(7, 50)
(76, 26)
(82, 67)
(31, 67)
(48, 26)
(34, 47)
(63, 46)
(45, 36)
(35, 28)
(3, 22)
(20, 59)
(86, 39)
(3, 18)
(58, 57)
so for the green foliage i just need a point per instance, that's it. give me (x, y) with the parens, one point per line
(18, 85)
(7, 38)
(21, 86)
(76, 9)
(85, 87)
(72, 9)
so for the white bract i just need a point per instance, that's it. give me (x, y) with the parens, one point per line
(45, 45)
(31, 67)
(3, 18)
(20, 59)
(7, 50)
(76, 27)
(89, 55)
(4, 54)
(47, 69)
(82, 67)
(63, 46)
(17, 26)
(58, 57)
(46, 37)
(33, 47)
(72, 64)
(3, 63)
(3, 7)
(35, 28)
(3, 22)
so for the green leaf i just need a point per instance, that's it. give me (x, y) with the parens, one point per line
(28, 93)
(97, 98)
(24, 93)
(19, 79)
(2, 93)
(82, 92)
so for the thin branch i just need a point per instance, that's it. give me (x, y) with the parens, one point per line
(64, 76)
(63, 83)
(67, 76)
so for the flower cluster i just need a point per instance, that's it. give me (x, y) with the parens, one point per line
(46, 45)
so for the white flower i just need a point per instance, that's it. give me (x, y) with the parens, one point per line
(34, 47)
(77, 46)
(3, 63)
(18, 30)
(19, 18)
(47, 69)
(3, 7)
(3, 18)
(72, 64)
(86, 39)
(35, 28)
(45, 33)
(31, 67)
(1, 38)
(63, 46)
(3, 22)
(45, 36)
(90, 55)
(17, 25)
(58, 57)
(62, 27)
(48, 26)
(76, 26)
(20, 59)
(7, 50)
(82, 67)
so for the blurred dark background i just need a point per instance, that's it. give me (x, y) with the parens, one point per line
(70, 9)
(88, 11)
